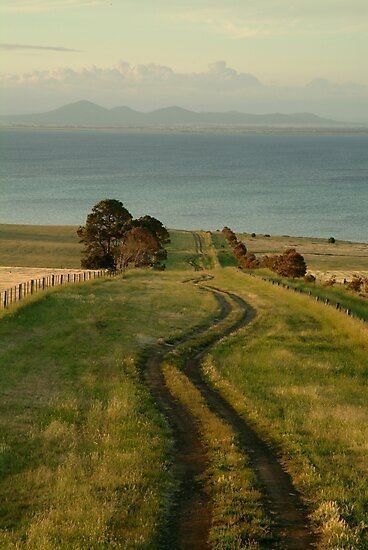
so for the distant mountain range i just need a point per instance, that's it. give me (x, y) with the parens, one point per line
(87, 114)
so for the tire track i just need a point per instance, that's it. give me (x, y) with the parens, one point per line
(190, 516)
(291, 523)
(189, 519)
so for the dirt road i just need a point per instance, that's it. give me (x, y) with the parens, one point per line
(190, 517)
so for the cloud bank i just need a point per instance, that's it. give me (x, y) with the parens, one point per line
(149, 86)
(22, 47)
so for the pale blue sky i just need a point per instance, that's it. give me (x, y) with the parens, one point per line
(283, 43)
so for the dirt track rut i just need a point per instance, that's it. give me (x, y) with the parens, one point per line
(190, 517)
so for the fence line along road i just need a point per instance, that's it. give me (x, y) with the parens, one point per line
(323, 300)
(20, 291)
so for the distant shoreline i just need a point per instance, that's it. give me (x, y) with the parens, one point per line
(55, 228)
(190, 129)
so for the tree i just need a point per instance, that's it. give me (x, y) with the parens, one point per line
(139, 247)
(269, 261)
(229, 235)
(249, 261)
(290, 264)
(332, 240)
(104, 229)
(239, 250)
(155, 226)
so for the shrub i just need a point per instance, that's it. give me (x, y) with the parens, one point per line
(309, 278)
(249, 261)
(332, 240)
(355, 284)
(239, 249)
(331, 281)
(253, 235)
(269, 261)
(290, 264)
(365, 285)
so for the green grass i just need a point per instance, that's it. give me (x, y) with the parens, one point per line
(319, 254)
(180, 251)
(39, 246)
(224, 253)
(337, 294)
(84, 452)
(299, 372)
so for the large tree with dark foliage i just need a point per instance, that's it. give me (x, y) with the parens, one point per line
(104, 229)
(113, 239)
(156, 227)
(139, 247)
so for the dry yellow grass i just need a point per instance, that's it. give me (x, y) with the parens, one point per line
(11, 276)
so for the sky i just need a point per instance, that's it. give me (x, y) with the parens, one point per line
(251, 55)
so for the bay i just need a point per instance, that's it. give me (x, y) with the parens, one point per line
(309, 184)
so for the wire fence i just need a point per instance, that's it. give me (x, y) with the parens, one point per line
(20, 291)
(324, 300)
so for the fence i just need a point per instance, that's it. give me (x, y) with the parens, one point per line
(20, 291)
(324, 300)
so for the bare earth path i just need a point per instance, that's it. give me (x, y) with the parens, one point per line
(282, 500)
(190, 518)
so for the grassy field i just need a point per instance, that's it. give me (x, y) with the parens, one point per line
(342, 259)
(39, 246)
(320, 255)
(58, 247)
(84, 452)
(338, 294)
(299, 372)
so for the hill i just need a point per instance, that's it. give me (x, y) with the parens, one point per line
(264, 391)
(87, 114)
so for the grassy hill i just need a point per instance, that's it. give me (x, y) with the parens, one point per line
(89, 460)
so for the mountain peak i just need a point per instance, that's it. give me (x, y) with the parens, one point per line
(84, 113)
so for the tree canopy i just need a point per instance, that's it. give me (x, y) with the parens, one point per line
(113, 239)
(139, 247)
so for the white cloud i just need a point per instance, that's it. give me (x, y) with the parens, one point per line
(136, 75)
(149, 86)
(22, 47)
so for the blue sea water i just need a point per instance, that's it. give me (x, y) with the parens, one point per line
(314, 185)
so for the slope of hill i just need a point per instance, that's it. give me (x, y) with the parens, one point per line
(84, 445)
(85, 113)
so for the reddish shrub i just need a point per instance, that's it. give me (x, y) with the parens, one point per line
(249, 261)
(290, 264)
(331, 281)
(309, 278)
(355, 284)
